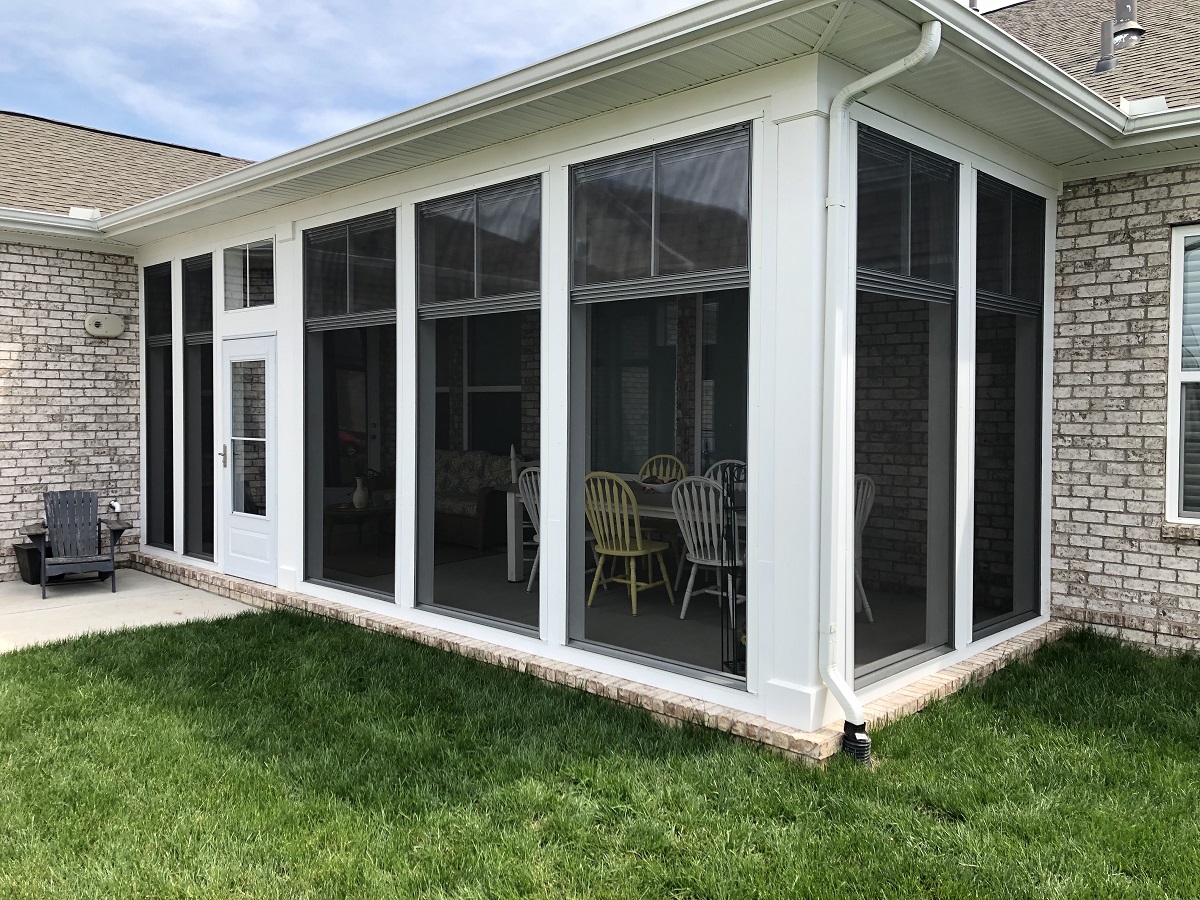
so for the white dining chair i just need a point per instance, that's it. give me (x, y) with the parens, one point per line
(699, 506)
(864, 500)
(530, 484)
(717, 470)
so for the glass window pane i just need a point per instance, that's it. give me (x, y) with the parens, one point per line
(260, 275)
(1191, 304)
(703, 207)
(157, 290)
(447, 247)
(160, 454)
(1007, 470)
(350, 457)
(198, 442)
(325, 258)
(235, 278)
(249, 398)
(510, 241)
(1189, 463)
(372, 267)
(993, 234)
(882, 220)
(933, 228)
(494, 350)
(1028, 246)
(613, 216)
(197, 295)
(249, 476)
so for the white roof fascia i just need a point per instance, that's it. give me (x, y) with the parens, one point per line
(55, 229)
(698, 24)
(968, 32)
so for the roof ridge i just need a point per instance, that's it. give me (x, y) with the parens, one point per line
(129, 137)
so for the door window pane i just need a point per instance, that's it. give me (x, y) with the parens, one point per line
(249, 478)
(249, 393)
(613, 221)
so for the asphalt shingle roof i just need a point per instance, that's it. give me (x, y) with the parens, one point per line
(1067, 33)
(50, 166)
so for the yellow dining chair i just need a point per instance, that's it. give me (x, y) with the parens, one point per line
(612, 514)
(663, 466)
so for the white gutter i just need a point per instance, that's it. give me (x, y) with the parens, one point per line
(837, 468)
(57, 224)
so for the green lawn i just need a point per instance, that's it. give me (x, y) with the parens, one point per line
(281, 756)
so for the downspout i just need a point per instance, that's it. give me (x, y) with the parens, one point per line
(837, 470)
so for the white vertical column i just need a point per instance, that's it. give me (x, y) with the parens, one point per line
(1047, 452)
(406, 406)
(785, 420)
(553, 570)
(964, 455)
(177, 402)
(289, 404)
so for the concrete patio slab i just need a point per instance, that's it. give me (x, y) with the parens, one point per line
(80, 608)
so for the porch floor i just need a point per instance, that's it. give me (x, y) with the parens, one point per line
(84, 605)
(809, 747)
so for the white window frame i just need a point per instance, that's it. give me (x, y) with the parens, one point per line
(1176, 378)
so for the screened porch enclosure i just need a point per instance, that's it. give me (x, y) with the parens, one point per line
(909, 353)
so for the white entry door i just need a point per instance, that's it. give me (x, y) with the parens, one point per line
(248, 459)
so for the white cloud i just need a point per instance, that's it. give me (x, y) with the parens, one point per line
(253, 79)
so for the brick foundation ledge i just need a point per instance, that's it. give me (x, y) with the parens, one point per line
(811, 747)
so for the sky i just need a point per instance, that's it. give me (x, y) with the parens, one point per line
(253, 78)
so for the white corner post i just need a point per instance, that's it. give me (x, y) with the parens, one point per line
(837, 456)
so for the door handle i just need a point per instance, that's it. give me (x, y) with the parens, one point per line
(224, 454)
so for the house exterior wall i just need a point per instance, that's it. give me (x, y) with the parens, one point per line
(69, 402)
(1118, 564)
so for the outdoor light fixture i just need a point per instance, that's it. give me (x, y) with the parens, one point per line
(1127, 32)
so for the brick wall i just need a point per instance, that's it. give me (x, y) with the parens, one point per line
(68, 402)
(1116, 565)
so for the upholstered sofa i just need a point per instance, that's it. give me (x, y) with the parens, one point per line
(467, 507)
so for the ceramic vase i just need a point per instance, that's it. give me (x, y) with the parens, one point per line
(360, 497)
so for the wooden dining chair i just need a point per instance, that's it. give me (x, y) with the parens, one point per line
(663, 466)
(612, 514)
(530, 484)
(717, 471)
(699, 505)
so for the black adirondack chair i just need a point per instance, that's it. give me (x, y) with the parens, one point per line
(73, 532)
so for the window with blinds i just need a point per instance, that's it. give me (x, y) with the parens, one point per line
(1188, 376)
(663, 221)
(481, 252)
(350, 273)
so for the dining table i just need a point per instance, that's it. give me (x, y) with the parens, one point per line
(652, 504)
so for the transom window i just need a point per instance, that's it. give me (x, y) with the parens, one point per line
(250, 275)
(671, 210)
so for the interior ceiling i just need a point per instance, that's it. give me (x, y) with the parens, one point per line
(867, 38)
